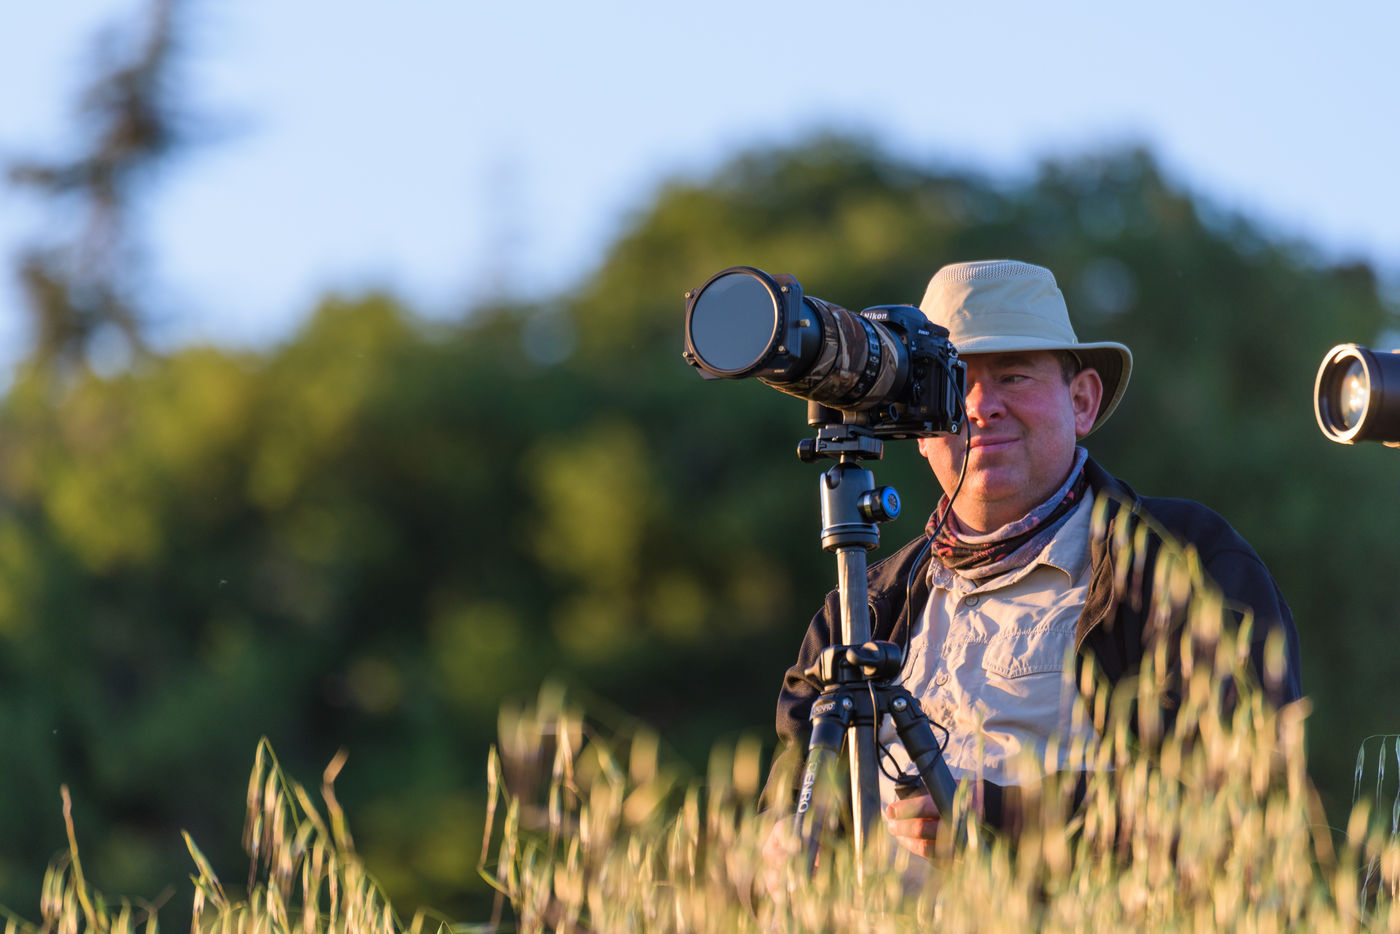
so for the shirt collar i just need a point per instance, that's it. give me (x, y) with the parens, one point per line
(1069, 549)
(1067, 552)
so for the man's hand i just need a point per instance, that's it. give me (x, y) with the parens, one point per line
(913, 822)
(779, 850)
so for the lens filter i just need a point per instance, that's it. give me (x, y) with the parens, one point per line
(734, 321)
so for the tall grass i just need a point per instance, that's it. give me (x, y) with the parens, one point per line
(304, 875)
(1204, 823)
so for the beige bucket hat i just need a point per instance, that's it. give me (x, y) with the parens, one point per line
(1001, 305)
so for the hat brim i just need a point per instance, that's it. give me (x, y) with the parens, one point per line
(1113, 361)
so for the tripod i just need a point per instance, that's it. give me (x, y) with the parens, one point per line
(858, 675)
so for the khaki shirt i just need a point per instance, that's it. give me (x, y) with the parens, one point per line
(990, 662)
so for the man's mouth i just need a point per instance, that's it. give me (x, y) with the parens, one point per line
(991, 445)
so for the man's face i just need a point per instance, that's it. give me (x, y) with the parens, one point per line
(1025, 420)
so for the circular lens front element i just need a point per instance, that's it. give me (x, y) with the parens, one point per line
(1355, 392)
(733, 323)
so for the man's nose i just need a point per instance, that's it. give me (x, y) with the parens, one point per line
(983, 401)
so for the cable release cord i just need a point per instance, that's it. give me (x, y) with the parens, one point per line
(943, 519)
(885, 752)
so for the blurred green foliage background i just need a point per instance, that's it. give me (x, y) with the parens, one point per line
(369, 536)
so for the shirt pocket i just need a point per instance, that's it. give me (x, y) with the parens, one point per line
(1019, 654)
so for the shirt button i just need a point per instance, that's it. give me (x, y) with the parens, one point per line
(972, 599)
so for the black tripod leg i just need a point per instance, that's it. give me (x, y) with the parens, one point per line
(830, 719)
(916, 733)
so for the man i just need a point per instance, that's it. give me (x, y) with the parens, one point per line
(1015, 580)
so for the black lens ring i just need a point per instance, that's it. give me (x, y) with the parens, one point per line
(874, 356)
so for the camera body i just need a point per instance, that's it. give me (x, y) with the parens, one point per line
(929, 400)
(887, 369)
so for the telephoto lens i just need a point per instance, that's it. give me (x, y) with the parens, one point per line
(1357, 395)
(888, 367)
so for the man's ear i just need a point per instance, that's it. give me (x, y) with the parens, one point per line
(1085, 393)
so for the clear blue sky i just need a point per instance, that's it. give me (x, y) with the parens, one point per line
(448, 149)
